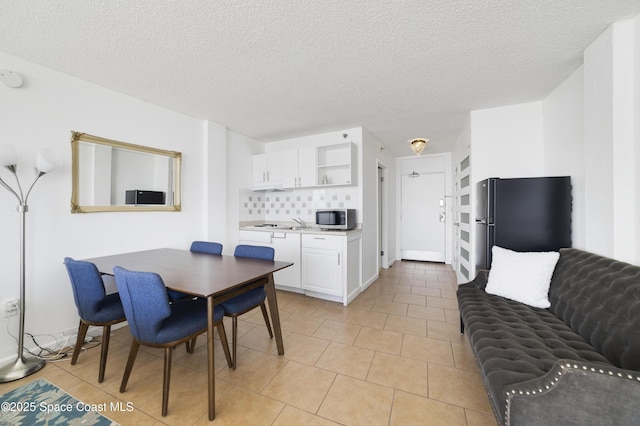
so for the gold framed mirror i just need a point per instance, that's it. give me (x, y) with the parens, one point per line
(114, 176)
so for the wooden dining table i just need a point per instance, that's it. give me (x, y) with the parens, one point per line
(214, 277)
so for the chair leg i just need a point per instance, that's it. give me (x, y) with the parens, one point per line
(225, 345)
(106, 331)
(266, 319)
(127, 371)
(82, 332)
(191, 345)
(234, 337)
(166, 380)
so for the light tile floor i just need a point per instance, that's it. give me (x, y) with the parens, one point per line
(394, 356)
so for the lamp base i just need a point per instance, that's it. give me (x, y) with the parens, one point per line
(21, 367)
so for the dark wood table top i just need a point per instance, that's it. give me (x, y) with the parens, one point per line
(199, 274)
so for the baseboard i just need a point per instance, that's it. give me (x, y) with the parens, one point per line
(370, 281)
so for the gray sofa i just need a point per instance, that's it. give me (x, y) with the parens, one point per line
(576, 363)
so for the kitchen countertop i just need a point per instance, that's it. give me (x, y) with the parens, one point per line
(283, 227)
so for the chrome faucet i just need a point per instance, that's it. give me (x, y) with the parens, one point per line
(298, 221)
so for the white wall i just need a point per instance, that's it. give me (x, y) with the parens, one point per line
(636, 66)
(239, 175)
(43, 113)
(564, 144)
(611, 121)
(373, 157)
(506, 142)
(591, 131)
(213, 188)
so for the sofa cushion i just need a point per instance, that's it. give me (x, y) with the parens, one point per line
(515, 342)
(599, 298)
(522, 276)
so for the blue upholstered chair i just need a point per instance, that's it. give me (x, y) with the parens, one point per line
(155, 322)
(95, 307)
(206, 247)
(252, 299)
(196, 247)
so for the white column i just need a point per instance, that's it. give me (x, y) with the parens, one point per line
(611, 120)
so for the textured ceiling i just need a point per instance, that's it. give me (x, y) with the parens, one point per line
(281, 68)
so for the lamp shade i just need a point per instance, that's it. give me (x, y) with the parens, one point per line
(417, 145)
(46, 161)
(8, 155)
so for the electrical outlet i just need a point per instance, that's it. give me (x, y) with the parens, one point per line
(11, 307)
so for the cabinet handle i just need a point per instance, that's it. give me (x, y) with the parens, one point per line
(338, 259)
(264, 176)
(318, 238)
(267, 176)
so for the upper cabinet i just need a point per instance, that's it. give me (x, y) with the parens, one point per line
(326, 165)
(335, 164)
(299, 168)
(267, 169)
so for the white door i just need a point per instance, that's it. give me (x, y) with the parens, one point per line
(423, 217)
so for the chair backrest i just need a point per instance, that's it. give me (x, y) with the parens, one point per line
(145, 302)
(87, 285)
(256, 252)
(206, 247)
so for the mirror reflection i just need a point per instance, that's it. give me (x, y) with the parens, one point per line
(109, 175)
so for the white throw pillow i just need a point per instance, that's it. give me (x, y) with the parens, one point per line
(522, 276)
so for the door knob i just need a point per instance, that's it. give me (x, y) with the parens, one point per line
(443, 217)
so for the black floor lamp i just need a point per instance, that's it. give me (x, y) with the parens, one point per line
(23, 365)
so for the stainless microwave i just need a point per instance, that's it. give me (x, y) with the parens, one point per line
(341, 219)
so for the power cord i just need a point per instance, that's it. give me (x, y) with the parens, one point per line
(60, 351)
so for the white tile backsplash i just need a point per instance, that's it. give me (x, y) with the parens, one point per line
(282, 206)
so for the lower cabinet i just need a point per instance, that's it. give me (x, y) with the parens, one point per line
(287, 249)
(324, 266)
(331, 266)
(322, 271)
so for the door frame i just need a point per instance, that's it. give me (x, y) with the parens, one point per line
(382, 214)
(444, 166)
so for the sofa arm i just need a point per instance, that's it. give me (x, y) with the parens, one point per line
(479, 282)
(576, 393)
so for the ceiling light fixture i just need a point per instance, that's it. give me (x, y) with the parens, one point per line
(418, 144)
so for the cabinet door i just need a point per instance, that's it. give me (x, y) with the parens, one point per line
(274, 167)
(307, 166)
(322, 270)
(290, 168)
(259, 168)
(287, 248)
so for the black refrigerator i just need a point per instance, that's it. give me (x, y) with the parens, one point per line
(522, 214)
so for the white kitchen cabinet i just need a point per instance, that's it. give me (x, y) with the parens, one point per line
(336, 164)
(306, 167)
(299, 168)
(267, 169)
(325, 265)
(322, 258)
(287, 249)
(331, 266)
